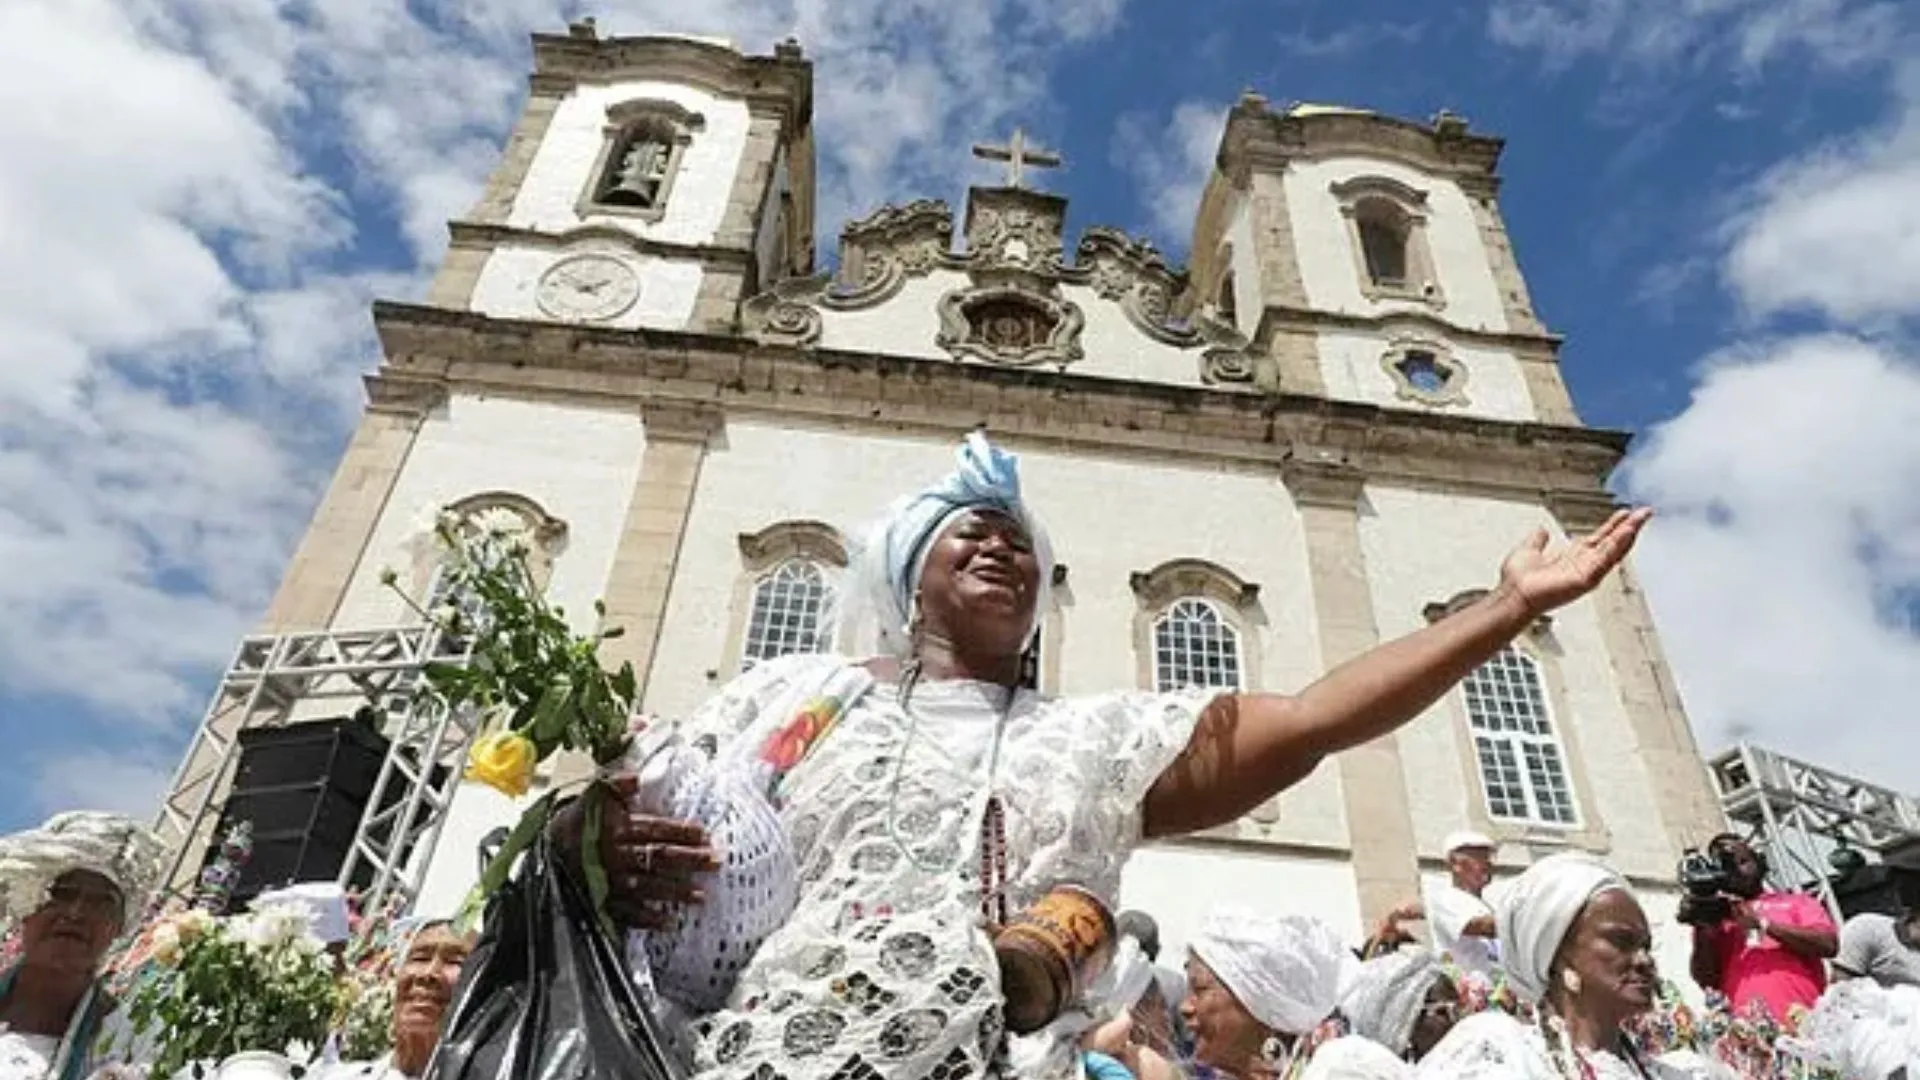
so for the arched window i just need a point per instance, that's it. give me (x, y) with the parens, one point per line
(1523, 767)
(789, 613)
(1387, 226)
(1226, 303)
(504, 525)
(640, 159)
(1193, 645)
(1383, 242)
(783, 603)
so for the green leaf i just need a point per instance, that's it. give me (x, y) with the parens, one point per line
(612, 632)
(590, 862)
(522, 836)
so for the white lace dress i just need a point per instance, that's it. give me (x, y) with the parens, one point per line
(883, 971)
(1495, 1046)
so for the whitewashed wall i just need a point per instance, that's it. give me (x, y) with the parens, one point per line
(1350, 368)
(508, 282)
(1423, 547)
(577, 463)
(1180, 885)
(1329, 268)
(549, 198)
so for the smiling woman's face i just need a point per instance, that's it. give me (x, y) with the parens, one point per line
(981, 579)
(424, 987)
(76, 926)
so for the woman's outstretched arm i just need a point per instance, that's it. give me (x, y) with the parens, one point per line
(1249, 747)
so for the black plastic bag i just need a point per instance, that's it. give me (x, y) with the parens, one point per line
(545, 995)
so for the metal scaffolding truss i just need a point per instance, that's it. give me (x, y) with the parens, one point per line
(1800, 813)
(284, 679)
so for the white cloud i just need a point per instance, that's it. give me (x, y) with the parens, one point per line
(1746, 34)
(1836, 231)
(1349, 40)
(99, 780)
(1170, 161)
(1789, 493)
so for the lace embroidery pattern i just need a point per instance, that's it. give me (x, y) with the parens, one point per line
(883, 972)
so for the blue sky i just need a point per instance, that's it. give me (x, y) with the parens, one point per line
(1715, 200)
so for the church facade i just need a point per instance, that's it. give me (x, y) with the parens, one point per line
(1325, 431)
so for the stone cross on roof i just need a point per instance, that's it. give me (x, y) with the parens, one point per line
(1017, 154)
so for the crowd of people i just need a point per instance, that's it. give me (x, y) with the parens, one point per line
(920, 802)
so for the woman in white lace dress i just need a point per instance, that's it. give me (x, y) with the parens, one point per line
(930, 796)
(1575, 942)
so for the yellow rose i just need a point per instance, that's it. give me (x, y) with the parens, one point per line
(503, 761)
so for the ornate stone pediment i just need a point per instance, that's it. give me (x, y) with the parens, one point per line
(1007, 324)
(1013, 311)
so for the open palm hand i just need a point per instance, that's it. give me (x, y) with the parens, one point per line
(1546, 580)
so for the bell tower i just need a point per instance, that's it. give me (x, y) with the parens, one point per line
(1366, 258)
(650, 182)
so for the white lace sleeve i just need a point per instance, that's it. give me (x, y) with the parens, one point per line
(1122, 743)
(745, 698)
(1487, 1046)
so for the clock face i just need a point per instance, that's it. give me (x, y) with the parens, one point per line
(587, 288)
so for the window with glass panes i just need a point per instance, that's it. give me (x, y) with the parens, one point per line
(1194, 645)
(789, 614)
(1522, 765)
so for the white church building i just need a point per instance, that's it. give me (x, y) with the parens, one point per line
(1323, 432)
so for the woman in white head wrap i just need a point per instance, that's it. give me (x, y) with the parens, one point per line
(927, 794)
(72, 886)
(1258, 986)
(1403, 1001)
(1576, 943)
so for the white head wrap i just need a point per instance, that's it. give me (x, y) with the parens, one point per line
(876, 601)
(1537, 909)
(1287, 970)
(1386, 997)
(117, 848)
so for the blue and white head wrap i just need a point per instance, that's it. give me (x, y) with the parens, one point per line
(878, 600)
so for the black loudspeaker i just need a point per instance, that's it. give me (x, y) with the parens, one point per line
(303, 788)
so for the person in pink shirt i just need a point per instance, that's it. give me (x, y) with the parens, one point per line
(1769, 947)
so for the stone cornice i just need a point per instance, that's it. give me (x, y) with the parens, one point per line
(1259, 136)
(1275, 317)
(404, 396)
(781, 83)
(473, 234)
(680, 421)
(836, 387)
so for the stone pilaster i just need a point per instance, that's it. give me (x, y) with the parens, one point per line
(453, 281)
(496, 201)
(1540, 370)
(324, 563)
(649, 548)
(1683, 793)
(752, 180)
(1514, 298)
(716, 307)
(1281, 284)
(1373, 780)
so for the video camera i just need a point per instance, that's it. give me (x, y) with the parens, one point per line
(1707, 876)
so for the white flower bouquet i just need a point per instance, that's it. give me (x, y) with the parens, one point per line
(216, 987)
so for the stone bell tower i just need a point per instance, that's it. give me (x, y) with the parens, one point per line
(650, 182)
